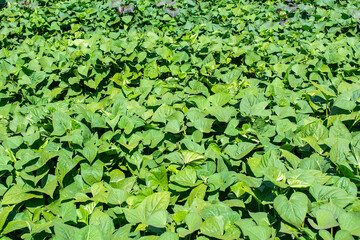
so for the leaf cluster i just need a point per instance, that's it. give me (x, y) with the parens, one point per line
(222, 121)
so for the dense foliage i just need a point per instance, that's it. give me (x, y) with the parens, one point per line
(192, 120)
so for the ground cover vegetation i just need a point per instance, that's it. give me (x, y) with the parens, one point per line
(180, 120)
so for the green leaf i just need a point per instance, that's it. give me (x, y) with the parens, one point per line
(104, 222)
(127, 19)
(163, 113)
(173, 126)
(4, 213)
(122, 233)
(275, 175)
(17, 194)
(83, 70)
(13, 142)
(65, 232)
(240, 150)
(325, 235)
(301, 178)
(350, 222)
(89, 151)
(61, 123)
(292, 158)
(213, 226)
(16, 225)
(203, 125)
(241, 188)
(150, 205)
(284, 112)
(46, 63)
(292, 210)
(158, 179)
(158, 219)
(343, 235)
(231, 76)
(127, 124)
(186, 177)
(251, 57)
(222, 114)
(336, 195)
(89, 233)
(191, 157)
(193, 221)
(169, 236)
(117, 196)
(325, 92)
(164, 52)
(299, 69)
(339, 130)
(220, 99)
(313, 142)
(66, 162)
(198, 193)
(92, 173)
(68, 212)
(231, 128)
(253, 231)
(151, 70)
(261, 218)
(49, 184)
(325, 220)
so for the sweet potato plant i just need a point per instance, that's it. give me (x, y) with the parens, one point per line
(194, 119)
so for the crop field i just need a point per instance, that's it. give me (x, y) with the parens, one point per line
(194, 119)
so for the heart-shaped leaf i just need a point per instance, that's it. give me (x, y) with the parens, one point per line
(292, 210)
(325, 219)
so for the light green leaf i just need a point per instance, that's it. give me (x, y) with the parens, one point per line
(191, 157)
(17, 194)
(104, 222)
(157, 178)
(117, 196)
(16, 225)
(222, 114)
(169, 236)
(325, 220)
(343, 235)
(151, 70)
(220, 99)
(163, 113)
(292, 210)
(336, 195)
(193, 221)
(350, 222)
(173, 126)
(68, 212)
(151, 204)
(83, 70)
(203, 125)
(65, 232)
(240, 150)
(213, 226)
(158, 219)
(92, 173)
(46, 63)
(251, 57)
(61, 123)
(90, 232)
(186, 177)
(122, 233)
(4, 213)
